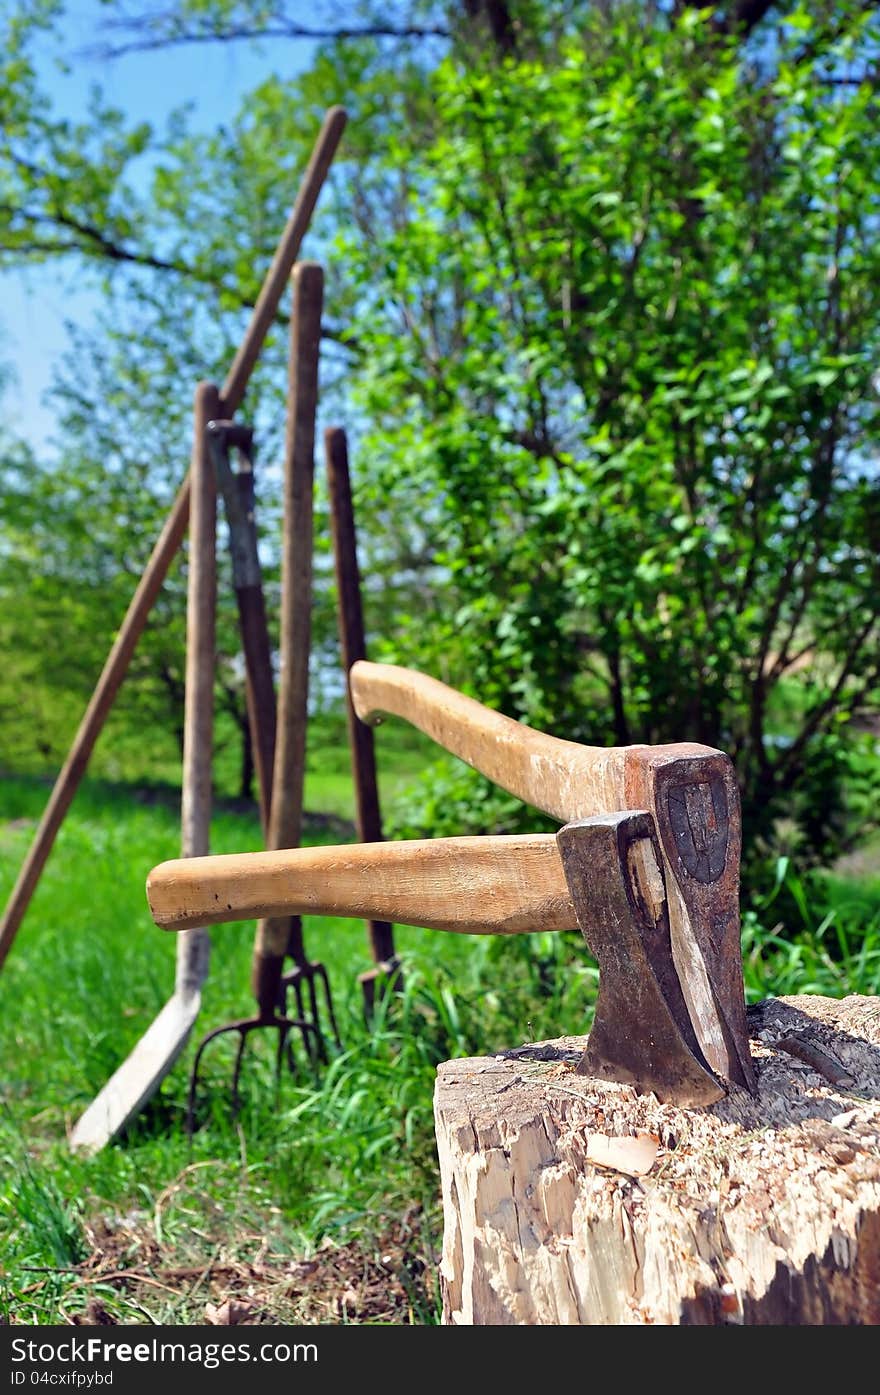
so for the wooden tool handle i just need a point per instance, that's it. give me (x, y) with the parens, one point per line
(353, 646)
(475, 886)
(277, 936)
(563, 778)
(285, 823)
(277, 276)
(198, 730)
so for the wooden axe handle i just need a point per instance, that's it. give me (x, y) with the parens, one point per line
(477, 886)
(563, 778)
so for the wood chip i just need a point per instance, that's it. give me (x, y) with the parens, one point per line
(229, 1313)
(632, 1155)
(348, 1302)
(729, 1302)
(843, 1121)
(840, 1152)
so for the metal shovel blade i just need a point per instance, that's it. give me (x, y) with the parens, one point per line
(141, 1074)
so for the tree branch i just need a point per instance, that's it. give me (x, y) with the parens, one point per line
(101, 245)
(742, 17)
(169, 37)
(823, 709)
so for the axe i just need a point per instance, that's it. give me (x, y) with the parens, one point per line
(647, 865)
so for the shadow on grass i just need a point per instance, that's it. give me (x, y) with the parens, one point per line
(23, 798)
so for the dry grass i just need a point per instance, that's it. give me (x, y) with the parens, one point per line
(133, 1275)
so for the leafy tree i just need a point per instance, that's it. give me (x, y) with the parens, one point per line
(621, 350)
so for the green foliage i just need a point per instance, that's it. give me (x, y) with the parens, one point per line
(449, 796)
(63, 183)
(602, 311)
(49, 1224)
(804, 937)
(621, 344)
(178, 274)
(333, 1156)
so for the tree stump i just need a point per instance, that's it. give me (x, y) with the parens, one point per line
(569, 1200)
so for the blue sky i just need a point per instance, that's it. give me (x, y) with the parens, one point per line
(36, 303)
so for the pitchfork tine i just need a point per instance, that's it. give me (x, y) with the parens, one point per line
(244, 1027)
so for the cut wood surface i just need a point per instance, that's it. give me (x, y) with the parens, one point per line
(569, 1200)
(504, 885)
(170, 538)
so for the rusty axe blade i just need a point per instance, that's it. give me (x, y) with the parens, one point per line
(603, 874)
(642, 1034)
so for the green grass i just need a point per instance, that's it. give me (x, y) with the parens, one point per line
(335, 1171)
(813, 934)
(334, 1158)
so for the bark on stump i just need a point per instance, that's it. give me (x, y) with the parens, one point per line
(760, 1210)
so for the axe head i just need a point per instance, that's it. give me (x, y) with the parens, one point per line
(642, 1033)
(695, 804)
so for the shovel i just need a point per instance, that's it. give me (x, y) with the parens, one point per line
(147, 1065)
